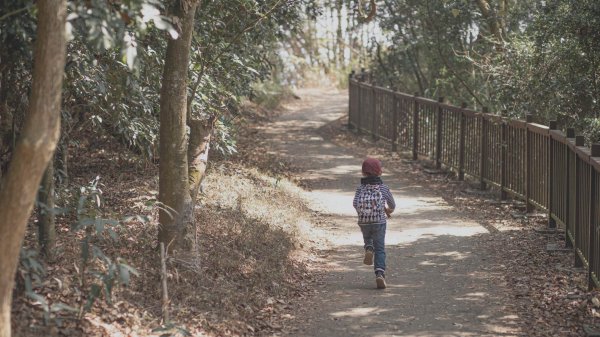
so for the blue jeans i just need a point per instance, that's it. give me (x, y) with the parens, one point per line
(374, 237)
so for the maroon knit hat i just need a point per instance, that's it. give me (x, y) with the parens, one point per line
(371, 167)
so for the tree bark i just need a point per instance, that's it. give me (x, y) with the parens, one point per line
(503, 13)
(341, 50)
(173, 169)
(200, 134)
(46, 224)
(35, 146)
(350, 28)
(63, 155)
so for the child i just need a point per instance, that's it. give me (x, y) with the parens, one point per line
(370, 203)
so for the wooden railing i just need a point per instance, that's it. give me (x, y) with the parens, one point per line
(549, 170)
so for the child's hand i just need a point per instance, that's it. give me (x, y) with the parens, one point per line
(388, 212)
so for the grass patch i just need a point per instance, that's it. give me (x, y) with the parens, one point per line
(270, 94)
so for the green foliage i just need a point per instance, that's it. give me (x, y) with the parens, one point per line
(120, 25)
(547, 63)
(270, 94)
(233, 48)
(101, 91)
(224, 137)
(17, 28)
(551, 69)
(590, 129)
(428, 50)
(115, 59)
(98, 272)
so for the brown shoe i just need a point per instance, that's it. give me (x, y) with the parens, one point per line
(380, 280)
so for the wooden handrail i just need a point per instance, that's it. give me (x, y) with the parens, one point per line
(519, 157)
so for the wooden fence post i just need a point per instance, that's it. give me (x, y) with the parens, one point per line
(395, 123)
(579, 141)
(415, 149)
(438, 134)
(568, 243)
(550, 180)
(374, 126)
(594, 152)
(461, 143)
(528, 206)
(503, 146)
(351, 107)
(483, 148)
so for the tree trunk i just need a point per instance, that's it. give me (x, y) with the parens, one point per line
(310, 45)
(341, 50)
(35, 147)
(503, 14)
(200, 134)
(63, 153)
(331, 41)
(173, 170)
(46, 225)
(350, 28)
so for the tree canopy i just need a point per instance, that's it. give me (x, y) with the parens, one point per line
(533, 56)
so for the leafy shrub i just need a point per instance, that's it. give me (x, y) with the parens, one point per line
(270, 94)
(98, 272)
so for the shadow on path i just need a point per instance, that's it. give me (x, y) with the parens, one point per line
(438, 282)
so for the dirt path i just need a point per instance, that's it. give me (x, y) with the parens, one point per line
(438, 282)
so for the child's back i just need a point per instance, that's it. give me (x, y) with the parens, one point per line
(374, 202)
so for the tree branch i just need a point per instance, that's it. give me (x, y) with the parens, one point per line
(15, 12)
(489, 13)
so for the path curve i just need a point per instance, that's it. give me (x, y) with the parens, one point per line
(438, 283)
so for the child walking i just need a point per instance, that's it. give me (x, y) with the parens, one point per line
(374, 203)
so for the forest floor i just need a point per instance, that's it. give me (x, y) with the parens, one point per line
(280, 253)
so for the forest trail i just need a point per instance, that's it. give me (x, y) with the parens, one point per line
(438, 280)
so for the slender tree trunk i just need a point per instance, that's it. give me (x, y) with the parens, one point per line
(503, 13)
(341, 50)
(173, 170)
(332, 39)
(63, 152)
(200, 134)
(35, 147)
(46, 224)
(310, 45)
(350, 30)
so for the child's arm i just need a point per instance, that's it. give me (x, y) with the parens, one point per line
(355, 201)
(389, 199)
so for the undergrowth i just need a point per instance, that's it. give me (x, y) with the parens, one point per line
(245, 279)
(270, 94)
